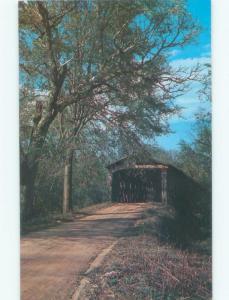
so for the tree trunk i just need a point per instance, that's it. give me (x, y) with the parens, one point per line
(67, 195)
(28, 167)
(28, 177)
(37, 139)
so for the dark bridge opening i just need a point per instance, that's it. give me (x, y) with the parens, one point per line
(137, 185)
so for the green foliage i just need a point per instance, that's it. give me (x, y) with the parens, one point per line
(90, 180)
(195, 158)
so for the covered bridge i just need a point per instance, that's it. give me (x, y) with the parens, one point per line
(145, 179)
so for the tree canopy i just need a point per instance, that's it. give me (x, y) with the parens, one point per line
(99, 64)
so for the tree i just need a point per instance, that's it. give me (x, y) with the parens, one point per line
(107, 58)
(195, 157)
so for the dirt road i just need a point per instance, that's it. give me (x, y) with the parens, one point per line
(53, 260)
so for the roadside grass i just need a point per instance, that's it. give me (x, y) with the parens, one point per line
(148, 265)
(39, 223)
(50, 220)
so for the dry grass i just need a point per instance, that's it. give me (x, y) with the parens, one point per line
(54, 219)
(144, 267)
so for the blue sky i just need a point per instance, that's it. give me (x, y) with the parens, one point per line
(182, 126)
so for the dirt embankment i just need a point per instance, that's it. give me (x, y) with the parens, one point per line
(148, 265)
